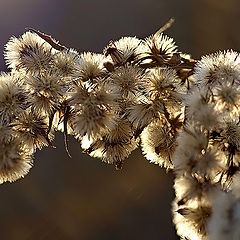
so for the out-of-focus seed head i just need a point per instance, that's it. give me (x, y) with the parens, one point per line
(224, 221)
(202, 109)
(192, 141)
(15, 160)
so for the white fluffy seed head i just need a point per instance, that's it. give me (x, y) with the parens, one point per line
(162, 43)
(225, 218)
(64, 61)
(157, 144)
(29, 53)
(14, 98)
(32, 129)
(218, 68)
(89, 67)
(15, 160)
(127, 81)
(47, 91)
(191, 143)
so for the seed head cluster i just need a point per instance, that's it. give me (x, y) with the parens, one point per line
(182, 113)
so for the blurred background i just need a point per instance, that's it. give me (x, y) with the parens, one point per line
(83, 198)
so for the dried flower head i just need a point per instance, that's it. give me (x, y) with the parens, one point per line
(47, 91)
(125, 50)
(127, 81)
(93, 110)
(232, 133)
(160, 44)
(15, 160)
(13, 98)
(158, 144)
(114, 146)
(218, 68)
(32, 130)
(29, 52)
(165, 87)
(64, 61)
(89, 67)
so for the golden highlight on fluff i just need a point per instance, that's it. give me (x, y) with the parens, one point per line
(29, 53)
(139, 92)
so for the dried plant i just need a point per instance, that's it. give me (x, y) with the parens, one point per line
(183, 113)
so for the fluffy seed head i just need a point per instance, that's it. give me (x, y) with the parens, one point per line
(32, 129)
(47, 91)
(161, 44)
(64, 61)
(15, 160)
(218, 68)
(158, 144)
(29, 52)
(126, 80)
(89, 67)
(13, 98)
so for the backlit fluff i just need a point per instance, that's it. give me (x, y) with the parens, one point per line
(193, 141)
(88, 67)
(144, 112)
(29, 53)
(158, 144)
(202, 109)
(191, 187)
(64, 61)
(218, 68)
(227, 98)
(164, 86)
(32, 129)
(47, 91)
(232, 133)
(225, 219)
(93, 111)
(160, 44)
(15, 160)
(130, 47)
(126, 80)
(14, 99)
(116, 145)
(191, 220)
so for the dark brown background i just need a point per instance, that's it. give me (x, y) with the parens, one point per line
(83, 198)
